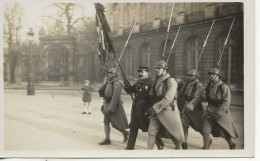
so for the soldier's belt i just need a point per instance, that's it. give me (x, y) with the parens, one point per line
(214, 103)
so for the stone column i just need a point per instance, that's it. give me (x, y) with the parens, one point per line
(18, 70)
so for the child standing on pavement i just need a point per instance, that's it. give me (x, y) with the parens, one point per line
(87, 90)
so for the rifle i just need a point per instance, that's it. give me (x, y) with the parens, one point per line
(173, 44)
(126, 44)
(225, 43)
(204, 45)
(168, 30)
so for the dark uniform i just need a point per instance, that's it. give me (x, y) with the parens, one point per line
(192, 109)
(141, 104)
(218, 120)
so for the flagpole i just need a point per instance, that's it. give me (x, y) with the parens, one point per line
(126, 44)
(127, 83)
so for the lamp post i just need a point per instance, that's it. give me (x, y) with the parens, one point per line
(30, 83)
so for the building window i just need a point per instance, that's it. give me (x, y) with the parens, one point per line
(116, 22)
(193, 49)
(230, 60)
(145, 55)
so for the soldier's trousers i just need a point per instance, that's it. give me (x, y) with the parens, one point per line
(153, 130)
(208, 124)
(133, 135)
(185, 120)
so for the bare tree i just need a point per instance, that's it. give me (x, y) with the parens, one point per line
(66, 16)
(12, 25)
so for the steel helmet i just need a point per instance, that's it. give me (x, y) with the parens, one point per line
(161, 64)
(215, 71)
(112, 70)
(193, 72)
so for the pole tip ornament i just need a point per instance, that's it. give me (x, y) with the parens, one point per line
(161, 64)
(215, 71)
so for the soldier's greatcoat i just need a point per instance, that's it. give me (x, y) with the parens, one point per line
(192, 94)
(218, 103)
(113, 93)
(166, 109)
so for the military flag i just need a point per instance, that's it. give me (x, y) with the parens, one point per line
(103, 31)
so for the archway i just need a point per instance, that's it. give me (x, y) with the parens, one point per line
(55, 63)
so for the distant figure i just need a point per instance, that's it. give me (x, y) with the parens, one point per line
(87, 97)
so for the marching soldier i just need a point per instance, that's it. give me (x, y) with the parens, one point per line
(217, 119)
(113, 107)
(141, 104)
(192, 109)
(164, 113)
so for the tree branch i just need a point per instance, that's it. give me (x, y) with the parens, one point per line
(76, 21)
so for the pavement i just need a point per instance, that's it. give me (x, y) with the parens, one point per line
(51, 120)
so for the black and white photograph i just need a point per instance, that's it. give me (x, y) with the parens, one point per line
(127, 79)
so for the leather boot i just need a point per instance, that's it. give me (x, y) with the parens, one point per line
(184, 146)
(176, 143)
(125, 135)
(105, 142)
(159, 143)
(231, 144)
(206, 141)
(107, 134)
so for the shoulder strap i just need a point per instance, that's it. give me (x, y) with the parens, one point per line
(207, 88)
(165, 83)
(195, 88)
(220, 88)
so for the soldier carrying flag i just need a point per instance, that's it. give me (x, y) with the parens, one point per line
(112, 108)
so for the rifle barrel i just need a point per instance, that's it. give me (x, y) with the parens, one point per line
(225, 43)
(168, 30)
(173, 44)
(204, 45)
(126, 44)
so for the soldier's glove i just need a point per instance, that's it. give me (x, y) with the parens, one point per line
(101, 92)
(149, 113)
(127, 87)
(203, 96)
(109, 112)
(127, 90)
(189, 107)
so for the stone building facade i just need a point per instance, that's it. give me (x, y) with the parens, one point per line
(147, 41)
